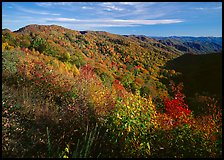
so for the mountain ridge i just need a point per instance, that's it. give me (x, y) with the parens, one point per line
(197, 45)
(135, 35)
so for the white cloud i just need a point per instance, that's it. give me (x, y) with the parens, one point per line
(36, 11)
(148, 22)
(212, 8)
(85, 7)
(49, 4)
(200, 8)
(128, 3)
(112, 22)
(136, 3)
(39, 12)
(110, 6)
(44, 4)
(219, 7)
(135, 10)
(61, 19)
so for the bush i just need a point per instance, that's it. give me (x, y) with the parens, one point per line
(181, 142)
(39, 44)
(145, 91)
(130, 124)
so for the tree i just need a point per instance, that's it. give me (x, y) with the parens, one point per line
(144, 91)
(75, 70)
(39, 44)
(66, 57)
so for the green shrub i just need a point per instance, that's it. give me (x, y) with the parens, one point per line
(39, 44)
(180, 143)
(130, 125)
(144, 91)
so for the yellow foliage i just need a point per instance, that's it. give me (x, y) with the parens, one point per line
(6, 46)
(133, 119)
(172, 72)
(75, 70)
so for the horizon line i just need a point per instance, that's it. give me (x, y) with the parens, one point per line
(152, 36)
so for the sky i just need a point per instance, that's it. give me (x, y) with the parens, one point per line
(125, 18)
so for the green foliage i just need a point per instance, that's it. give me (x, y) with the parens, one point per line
(9, 61)
(144, 91)
(106, 79)
(130, 126)
(48, 142)
(66, 57)
(78, 59)
(127, 80)
(39, 44)
(85, 147)
(70, 37)
(10, 38)
(134, 87)
(180, 143)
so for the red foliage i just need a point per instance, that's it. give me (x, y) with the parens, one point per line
(87, 74)
(138, 67)
(176, 108)
(119, 88)
(86, 69)
(113, 63)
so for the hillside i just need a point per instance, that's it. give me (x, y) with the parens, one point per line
(87, 94)
(112, 56)
(199, 71)
(201, 75)
(196, 45)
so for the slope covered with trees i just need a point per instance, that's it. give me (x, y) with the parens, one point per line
(69, 93)
(196, 45)
(199, 71)
(200, 74)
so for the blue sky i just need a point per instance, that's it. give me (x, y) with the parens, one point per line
(139, 18)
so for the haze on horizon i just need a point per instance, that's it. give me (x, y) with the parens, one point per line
(198, 19)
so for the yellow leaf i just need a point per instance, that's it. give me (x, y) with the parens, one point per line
(67, 149)
(65, 156)
(148, 149)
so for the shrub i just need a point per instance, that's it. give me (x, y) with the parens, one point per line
(93, 94)
(66, 57)
(130, 124)
(177, 109)
(179, 143)
(6, 46)
(144, 91)
(178, 130)
(39, 44)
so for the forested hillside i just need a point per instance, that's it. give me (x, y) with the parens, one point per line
(68, 93)
(200, 74)
(112, 56)
(199, 71)
(195, 45)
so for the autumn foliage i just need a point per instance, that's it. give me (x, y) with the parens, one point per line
(177, 108)
(59, 84)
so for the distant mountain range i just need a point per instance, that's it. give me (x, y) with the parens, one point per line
(181, 44)
(196, 45)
